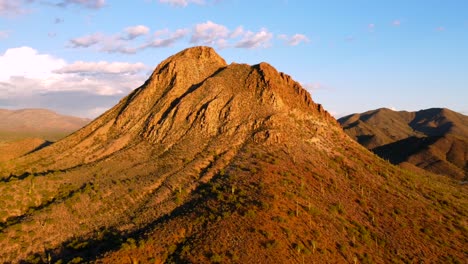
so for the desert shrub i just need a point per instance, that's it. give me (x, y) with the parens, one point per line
(271, 244)
(216, 258)
(76, 260)
(250, 213)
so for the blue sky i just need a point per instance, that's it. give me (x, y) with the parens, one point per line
(80, 57)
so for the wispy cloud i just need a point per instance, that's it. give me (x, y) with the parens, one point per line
(136, 31)
(13, 7)
(440, 28)
(182, 3)
(86, 41)
(239, 31)
(20, 7)
(371, 27)
(124, 43)
(130, 41)
(93, 4)
(253, 40)
(396, 22)
(101, 67)
(208, 33)
(165, 38)
(294, 40)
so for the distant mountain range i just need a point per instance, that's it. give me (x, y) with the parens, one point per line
(37, 123)
(25, 130)
(434, 139)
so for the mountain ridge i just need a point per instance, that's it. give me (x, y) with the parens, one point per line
(434, 139)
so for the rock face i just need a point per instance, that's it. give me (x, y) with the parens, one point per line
(433, 139)
(207, 163)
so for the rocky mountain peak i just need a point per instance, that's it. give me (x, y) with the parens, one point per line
(195, 96)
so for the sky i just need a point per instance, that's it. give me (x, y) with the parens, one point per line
(80, 57)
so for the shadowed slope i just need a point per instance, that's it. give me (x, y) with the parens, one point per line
(434, 139)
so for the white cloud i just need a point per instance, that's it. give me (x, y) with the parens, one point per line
(298, 38)
(13, 7)
(159, 41)
(182, 3)
(136, 31)
(294, 40)
(93, 4)
(253, 40)
(239, 31)
(124, 42)
(82, 67)
(29, 78)
(86, 41)
(26, 72)
(396, 22)
(19, 7)
(27, 62)
(104, 43)
(208, 33)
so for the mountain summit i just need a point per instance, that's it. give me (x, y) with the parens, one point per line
(214, 163)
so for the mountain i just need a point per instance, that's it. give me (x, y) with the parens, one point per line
(214, 163)
(37, 123)
(433, 139)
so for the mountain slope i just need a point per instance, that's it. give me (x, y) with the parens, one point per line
(17, 148)
(37, 123)
(434, 139)
(209, 162)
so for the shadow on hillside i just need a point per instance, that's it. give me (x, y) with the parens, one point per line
(41, 146)
(399, 151)
(14, 177)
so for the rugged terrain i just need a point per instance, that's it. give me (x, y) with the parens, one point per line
(433, 139)
(214, 163)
